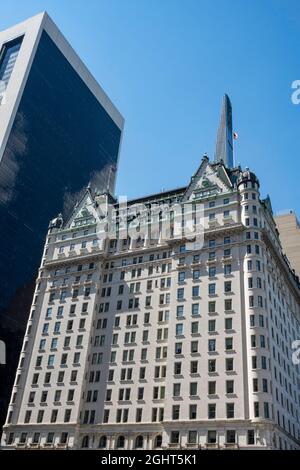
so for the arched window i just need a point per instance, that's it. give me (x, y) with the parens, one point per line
(121, 442)
(139, 442)
(102, 442)
(158, 441)
(85, 442)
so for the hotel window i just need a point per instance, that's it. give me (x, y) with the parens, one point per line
(228, 344)
(57, 327)
(144, 354)
(211, 289)
(211, 345)
(195, 310)
(250, 437)
(51, 360)
(211, 411)
(181, 276)
(227, 286)
(177, 368)
(67, 341)
(229, 364)
(36, 438)
(228, 305)
(228, 323)
(27, 416)
(194, 347)
(40, 416)
(195, 327)
(179, 311)
(211, 326)
(67, 416)
(196, 274)
(193, 389)
(63, 295)
(230, 437)
(178, 348)
(76, 358)
(262, 341)
(49, 312)
(212, 307)
(145, 336)
(227, 269)
(138, 417)
(176, 390)
(54, 416)
(266, 410)
(179, 329)
(194, 367)
(73, 376)
(180, 293)
(175, 436)
(195, 291)
(64, 438)
(256, 409)
(175, 412)
(211, 388)
(23, 437)
(192, 437)
(211, 437)
(212, 243)
(212, 270)
(229, 386)
(193, 412)
(212, 365)
(263, 362)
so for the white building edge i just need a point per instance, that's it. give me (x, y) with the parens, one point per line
(31, 30)
(147, 344)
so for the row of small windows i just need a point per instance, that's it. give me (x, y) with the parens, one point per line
(165, 300)
(124, 394)
(120, 442)
(175, 438)
(36, 438)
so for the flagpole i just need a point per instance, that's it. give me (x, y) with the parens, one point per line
(233, 151)
(234, 137)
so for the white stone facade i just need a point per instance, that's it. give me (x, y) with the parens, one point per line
(150, 344)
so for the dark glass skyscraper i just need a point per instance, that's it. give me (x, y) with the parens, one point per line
(58, 133)
(224, 144)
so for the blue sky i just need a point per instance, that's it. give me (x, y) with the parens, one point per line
(166, 64)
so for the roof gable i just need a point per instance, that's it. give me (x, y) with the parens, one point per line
(209, 179)
(84, 212)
